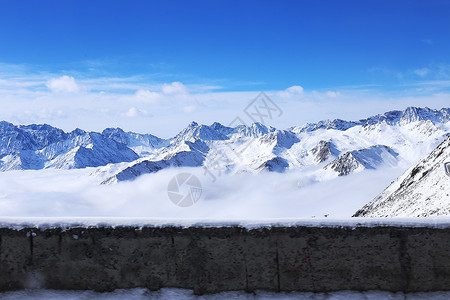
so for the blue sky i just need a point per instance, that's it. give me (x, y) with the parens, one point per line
(384, 48)
(238, 44)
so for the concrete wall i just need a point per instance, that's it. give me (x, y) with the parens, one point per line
(218, 259)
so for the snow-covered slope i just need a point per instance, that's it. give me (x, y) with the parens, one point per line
(423, 190)
(193, 157)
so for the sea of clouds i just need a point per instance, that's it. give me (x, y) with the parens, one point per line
(294, 194)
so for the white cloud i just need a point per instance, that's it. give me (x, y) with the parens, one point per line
(422, 72)
(189, 108)
(332, 94)
(135, 112)
(174, 88)
(63, 84)
(293, 91)
(147, 96)
(296, 89)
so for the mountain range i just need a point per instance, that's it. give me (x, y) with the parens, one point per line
(329, 148)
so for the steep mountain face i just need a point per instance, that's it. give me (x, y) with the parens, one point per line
(21, 160)
(224, 130)
(44, 135)
(323, 150)
(423, 190)
(14, 139)
(88, 150)
(369, 158)
(276, 164)
(142, 144)
(279, 139)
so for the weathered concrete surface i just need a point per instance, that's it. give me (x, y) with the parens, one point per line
(230, 258)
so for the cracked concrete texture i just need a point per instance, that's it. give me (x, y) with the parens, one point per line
(210, 260)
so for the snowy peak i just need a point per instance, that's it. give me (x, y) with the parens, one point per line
(255, 130)
(117, 134)
(44, 135)
(337, 124)
(421, 191)
(414, 114)
(223, 129)
(409, 115)
(195, 131)
(136, 141)
(368, 158)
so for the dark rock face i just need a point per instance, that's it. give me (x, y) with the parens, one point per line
(212, 260)
(323, 150)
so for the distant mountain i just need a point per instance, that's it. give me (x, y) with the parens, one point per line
(421, 191)
(42, 146)
(195, 132)
(396, 117)
(336, 147)
(86, 150)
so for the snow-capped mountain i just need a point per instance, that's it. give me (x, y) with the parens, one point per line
(423, 190)
(193, 156)
(90, 149)
(334, 148)
(143, 144)
(368, 158)
(396, 117)
(42, 146)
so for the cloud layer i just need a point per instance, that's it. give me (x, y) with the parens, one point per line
(74, 193)
(136, 103)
